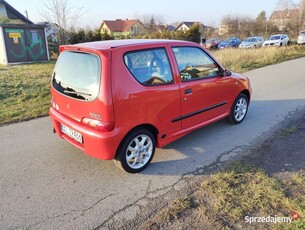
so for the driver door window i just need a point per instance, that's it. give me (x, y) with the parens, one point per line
(149, 67)
(195, 64)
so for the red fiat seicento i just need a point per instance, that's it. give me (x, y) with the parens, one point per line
(122, 99)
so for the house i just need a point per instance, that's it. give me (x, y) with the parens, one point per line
(122, 28)
(187, 25)
(170, 27)
(7, 11)
(21, 41)
(161, 28)
(52, 30)
(282, 18)
(223, 29)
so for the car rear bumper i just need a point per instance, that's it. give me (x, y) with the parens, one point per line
(97, 144)
(301, 41)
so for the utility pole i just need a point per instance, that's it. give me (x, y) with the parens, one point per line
(26, 14)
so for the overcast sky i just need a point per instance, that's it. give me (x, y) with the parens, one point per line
(209, 12)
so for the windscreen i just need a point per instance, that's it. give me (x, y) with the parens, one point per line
(77, 75)
(275, 37)
(250, 40)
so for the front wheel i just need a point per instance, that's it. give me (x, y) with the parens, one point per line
(239, 109)
(136, 151)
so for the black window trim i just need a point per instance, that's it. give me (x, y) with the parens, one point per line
(149, 49)
(197, 79)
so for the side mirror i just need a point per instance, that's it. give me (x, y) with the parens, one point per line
(228, 73)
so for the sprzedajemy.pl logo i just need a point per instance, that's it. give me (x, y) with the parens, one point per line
(271, 219)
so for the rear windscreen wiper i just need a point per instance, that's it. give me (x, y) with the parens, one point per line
(73, 91)
(78, 93)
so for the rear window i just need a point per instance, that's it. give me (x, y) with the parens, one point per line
(77, 75)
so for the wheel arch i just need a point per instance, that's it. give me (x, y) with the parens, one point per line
(247, 93)
(148, 127)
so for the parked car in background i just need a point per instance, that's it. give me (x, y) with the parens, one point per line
(212, 43)
(252, 42)
(229, 43)
(122, 99)
(277, 40)
(301, 38)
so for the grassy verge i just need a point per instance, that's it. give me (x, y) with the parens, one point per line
(247, 59)
(243, 190)
(24, 89)
(233, 197)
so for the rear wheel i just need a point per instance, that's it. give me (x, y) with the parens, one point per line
(239, 109)
(136, 151)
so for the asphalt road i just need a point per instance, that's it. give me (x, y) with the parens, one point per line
(45, 183)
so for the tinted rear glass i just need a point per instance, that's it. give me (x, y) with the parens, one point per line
(77, 75)
(149, 67)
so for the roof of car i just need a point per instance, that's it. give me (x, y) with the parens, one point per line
(102, 45)
(278, 35)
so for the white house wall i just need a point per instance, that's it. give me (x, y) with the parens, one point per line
(3, 58)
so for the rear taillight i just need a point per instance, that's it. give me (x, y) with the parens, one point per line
(104, 126)
(54, 104)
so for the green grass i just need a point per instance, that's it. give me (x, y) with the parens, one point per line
(24, 91)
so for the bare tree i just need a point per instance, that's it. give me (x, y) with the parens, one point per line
(63, 14)
(285, 4)
(238, 26)
(302, 10)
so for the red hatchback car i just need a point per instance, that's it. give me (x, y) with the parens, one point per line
(121, 99)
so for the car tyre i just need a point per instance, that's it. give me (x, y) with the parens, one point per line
(239, 109)
(136, 151)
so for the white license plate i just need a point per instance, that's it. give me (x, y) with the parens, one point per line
(72, 133)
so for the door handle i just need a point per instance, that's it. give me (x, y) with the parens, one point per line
(188, 91)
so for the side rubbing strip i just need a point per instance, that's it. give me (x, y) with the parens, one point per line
(199, 111)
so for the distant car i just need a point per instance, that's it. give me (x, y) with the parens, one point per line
(301, 38)
(212, 43)
(277, 40)
(229, 43)
(252, 42)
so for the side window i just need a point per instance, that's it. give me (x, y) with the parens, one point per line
(149, 67)
(195, 64)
